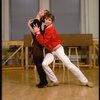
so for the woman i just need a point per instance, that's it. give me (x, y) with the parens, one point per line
(37, 48)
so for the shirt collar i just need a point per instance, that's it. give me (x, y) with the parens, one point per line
(49, 26)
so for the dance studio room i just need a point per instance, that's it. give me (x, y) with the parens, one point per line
(50, 49)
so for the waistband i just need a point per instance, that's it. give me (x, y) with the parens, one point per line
(55, 48)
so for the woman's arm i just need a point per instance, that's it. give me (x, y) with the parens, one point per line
(30, 27)
(35, 21)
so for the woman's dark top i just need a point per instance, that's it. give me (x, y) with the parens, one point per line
(37, 48)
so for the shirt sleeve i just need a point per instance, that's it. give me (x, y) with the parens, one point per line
(44, 40)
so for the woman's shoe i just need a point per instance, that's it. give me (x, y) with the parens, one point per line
(89, 84)
(53, 84)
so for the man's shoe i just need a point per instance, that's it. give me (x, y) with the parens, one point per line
(89, 84)
(53, 84)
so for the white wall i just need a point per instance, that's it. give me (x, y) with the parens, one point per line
(44, 4)
(90, 17)
(93, 18)
(83, 19)
(5, 19)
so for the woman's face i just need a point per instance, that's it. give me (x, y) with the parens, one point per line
(48, 21)
(41, 13)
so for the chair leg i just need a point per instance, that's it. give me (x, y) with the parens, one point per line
(35, 74)
(77, 58)
(76, 53)
(53, 65)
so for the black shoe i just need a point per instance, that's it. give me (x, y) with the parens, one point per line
(41, 85)
(38, 84)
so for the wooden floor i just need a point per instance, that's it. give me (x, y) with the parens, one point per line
(19, 84)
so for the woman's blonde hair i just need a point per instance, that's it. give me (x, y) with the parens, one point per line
(42, 18)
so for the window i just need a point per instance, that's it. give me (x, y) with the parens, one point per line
(20, 12)
(67, 15)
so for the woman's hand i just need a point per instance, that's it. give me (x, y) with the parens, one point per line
(29, 25)
(36, 29)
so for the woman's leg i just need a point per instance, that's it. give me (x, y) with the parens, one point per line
(47, 60)
(75, 70)
(41, 72)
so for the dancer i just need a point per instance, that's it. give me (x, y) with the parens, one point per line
(38, 49)
(52, 42)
